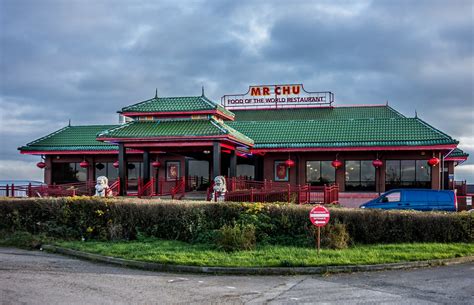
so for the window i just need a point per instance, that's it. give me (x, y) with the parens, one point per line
(106, 169)
(393, 197)
(407, 174)
(320, 172)
(68, 173)
(246, 170)
(360, 176)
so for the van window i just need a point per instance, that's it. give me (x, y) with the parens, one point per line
(393, 197)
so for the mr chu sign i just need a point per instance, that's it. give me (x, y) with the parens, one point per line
(277, 96)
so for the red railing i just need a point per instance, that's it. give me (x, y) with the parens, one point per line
(60, 190)
(196, 183)
(178, 191)
(461, 187)
(331, 194)
(146, 189)
(115, 187)
(242, 190)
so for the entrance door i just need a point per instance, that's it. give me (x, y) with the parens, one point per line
(198, 175)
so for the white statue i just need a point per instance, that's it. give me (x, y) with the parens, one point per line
(102, 187)
(219, 189)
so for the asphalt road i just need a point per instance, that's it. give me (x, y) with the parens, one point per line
(34, 277)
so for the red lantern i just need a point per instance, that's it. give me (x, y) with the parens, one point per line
(377, 163)
(289, 163)
(433, 161)
(116, 164)
(84, 164)
(336, 164)
(156, 164)
(41, 164)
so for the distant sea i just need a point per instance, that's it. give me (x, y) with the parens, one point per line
(20, 182)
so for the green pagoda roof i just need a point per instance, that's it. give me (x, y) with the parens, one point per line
(330, 127)
(176, 104)
(458, 153)
(71, 138)
(342, 133)
(326, 113)
(174, 128)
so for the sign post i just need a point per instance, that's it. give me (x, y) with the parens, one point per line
(319, 216)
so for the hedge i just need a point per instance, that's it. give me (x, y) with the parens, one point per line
(95, 218)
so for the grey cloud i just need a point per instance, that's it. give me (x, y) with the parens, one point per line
(86, 59)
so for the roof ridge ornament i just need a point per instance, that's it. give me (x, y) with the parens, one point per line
(202, 91)
(156, 93)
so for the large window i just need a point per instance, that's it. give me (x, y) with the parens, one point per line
(407, 174)
(106, 169)
(68, 173)
(360, 176)
(320, 172)
(246, 170)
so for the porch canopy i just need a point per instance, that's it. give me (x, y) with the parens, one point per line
(177, 135)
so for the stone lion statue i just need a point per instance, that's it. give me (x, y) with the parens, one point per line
(219, 189)
(102, 187)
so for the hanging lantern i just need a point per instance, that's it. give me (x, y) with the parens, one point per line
(100, 166)
(84, 164)
(156, 164)
(41, 164)
(116, 164)
(377, 163)
(289, 163)
(433, 161)
(336, 164)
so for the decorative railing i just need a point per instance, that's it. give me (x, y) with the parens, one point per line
(147, 189)
(178, 191)
(243, 190)
(461, 187)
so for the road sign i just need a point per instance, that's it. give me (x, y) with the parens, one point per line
(319, 216)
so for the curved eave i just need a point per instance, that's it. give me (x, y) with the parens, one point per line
(216, 112)
(458, 159)
(186, 138)
(354, 148)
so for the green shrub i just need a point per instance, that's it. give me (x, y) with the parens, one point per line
(336, 236)
(21, 239)
(236, 237)
(286, 224)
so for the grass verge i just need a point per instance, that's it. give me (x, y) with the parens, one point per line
(180, 253)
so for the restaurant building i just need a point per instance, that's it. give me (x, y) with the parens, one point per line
(280, 133)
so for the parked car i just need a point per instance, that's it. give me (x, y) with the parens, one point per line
(414, 199)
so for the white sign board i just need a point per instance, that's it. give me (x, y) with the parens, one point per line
(277, 96)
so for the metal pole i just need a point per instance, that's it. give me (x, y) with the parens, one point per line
(319, 238)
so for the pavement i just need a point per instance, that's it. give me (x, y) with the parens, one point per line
(35, 277)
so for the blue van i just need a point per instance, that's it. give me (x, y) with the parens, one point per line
(414, 199)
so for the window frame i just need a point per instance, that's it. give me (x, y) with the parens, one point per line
(316, 183)
(372, 187)
(415, 183)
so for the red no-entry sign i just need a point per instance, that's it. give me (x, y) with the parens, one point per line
(319, 216)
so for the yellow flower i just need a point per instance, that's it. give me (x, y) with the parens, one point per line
(89, 229)
(99, 212)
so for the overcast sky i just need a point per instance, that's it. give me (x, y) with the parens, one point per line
(84, 60)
